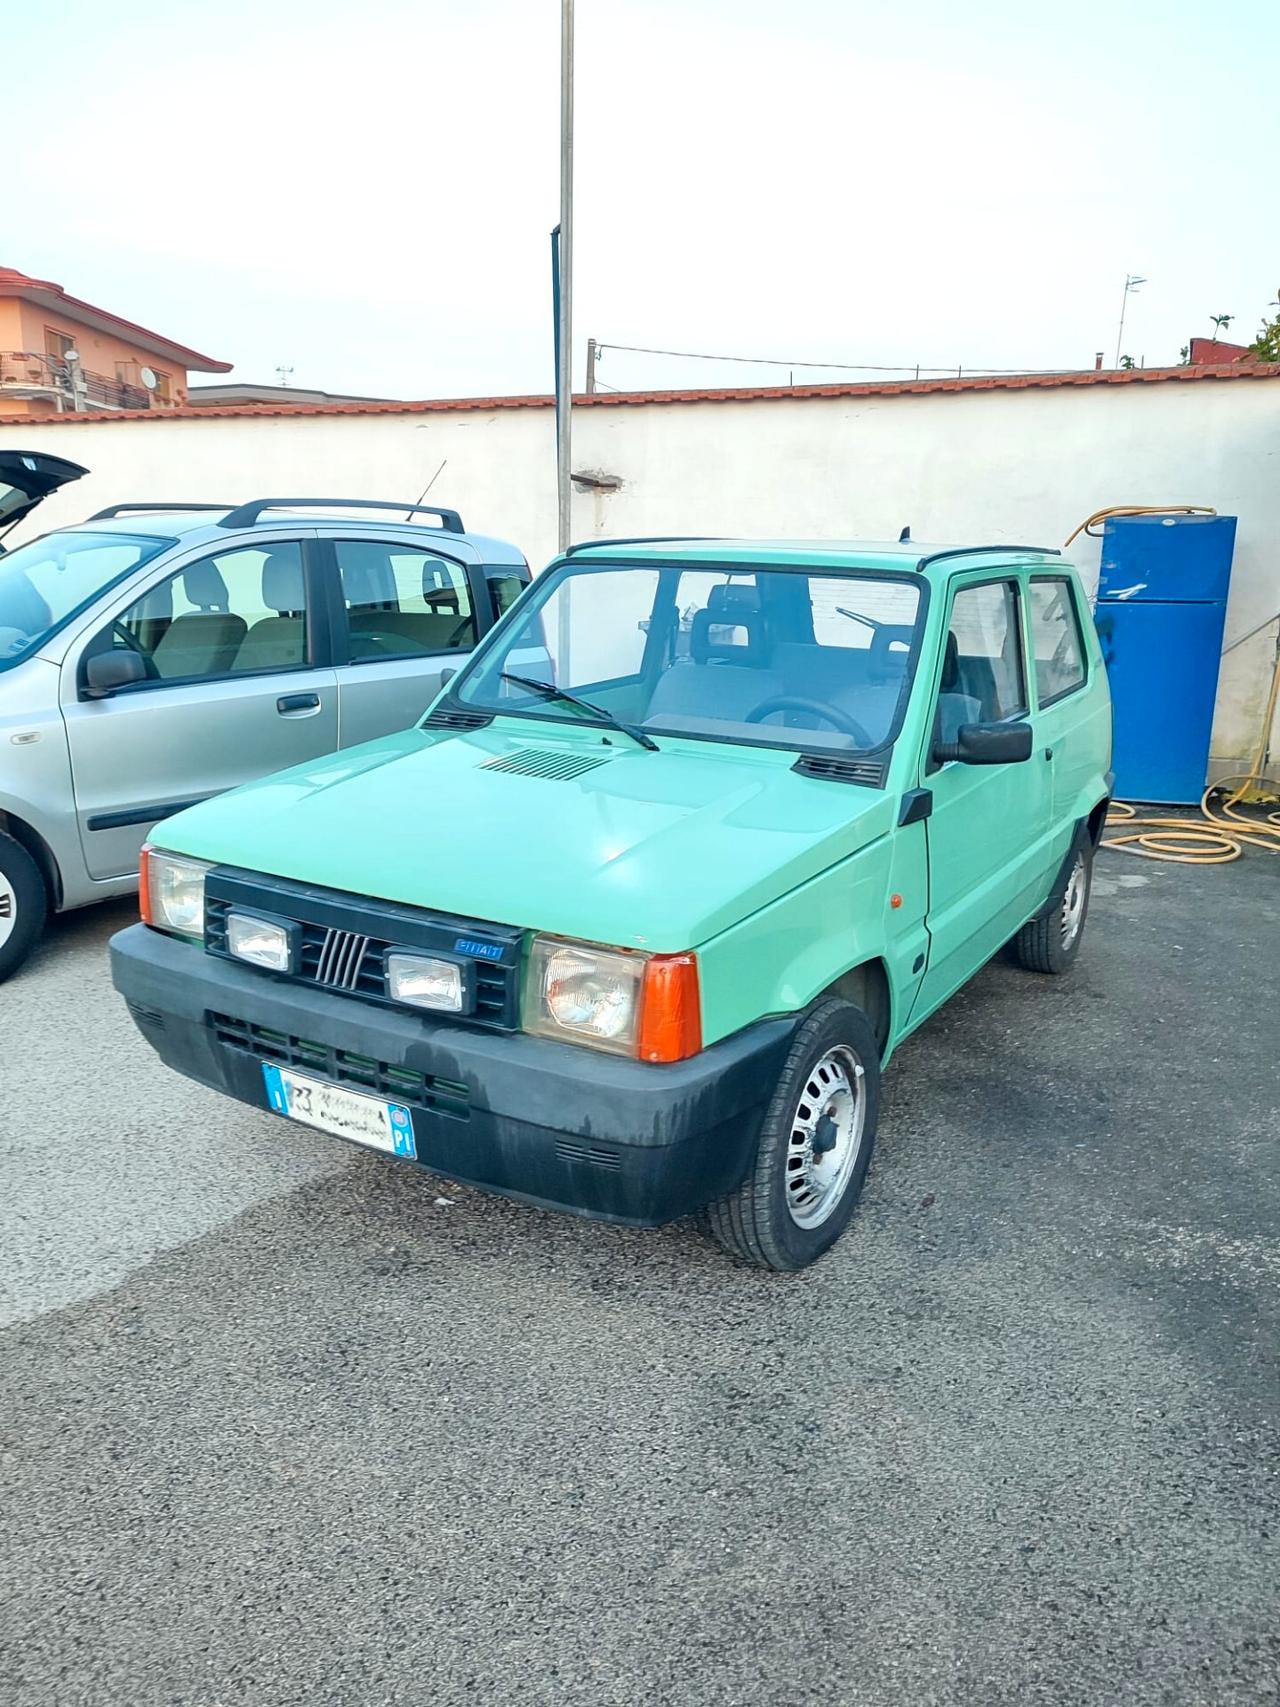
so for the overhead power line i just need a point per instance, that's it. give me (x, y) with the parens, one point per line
(844, 367)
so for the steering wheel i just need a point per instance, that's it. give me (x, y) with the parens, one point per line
(134, 645)
(840, 720)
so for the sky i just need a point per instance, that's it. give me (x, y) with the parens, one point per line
(364, 194)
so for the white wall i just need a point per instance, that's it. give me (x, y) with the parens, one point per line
(1019, 465)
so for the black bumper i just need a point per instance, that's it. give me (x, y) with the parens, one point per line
(545, 1122)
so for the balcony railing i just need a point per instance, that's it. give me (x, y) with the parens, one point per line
(30, 375)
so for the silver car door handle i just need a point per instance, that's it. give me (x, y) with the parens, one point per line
(298, 704)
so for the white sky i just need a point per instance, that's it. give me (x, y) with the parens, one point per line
(364, 193)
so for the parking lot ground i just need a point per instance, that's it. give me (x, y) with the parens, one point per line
(287, 1423)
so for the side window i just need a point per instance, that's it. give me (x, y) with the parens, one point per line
(1056, 640)
(223, 615)
(401, 601)
(983, 678)
(505, 587)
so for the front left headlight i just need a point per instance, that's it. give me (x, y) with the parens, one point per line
(171, 888)
(630, 1003)
(589, 994)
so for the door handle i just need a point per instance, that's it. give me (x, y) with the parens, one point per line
(298, 704)
(1048, 752)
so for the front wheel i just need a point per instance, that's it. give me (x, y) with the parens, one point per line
(23, 905)
(1051, 941)
(814, 1148)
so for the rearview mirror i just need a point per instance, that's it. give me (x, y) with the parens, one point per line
(106, 672)
(986, 744)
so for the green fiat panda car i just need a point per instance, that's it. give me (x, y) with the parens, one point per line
(631, 922)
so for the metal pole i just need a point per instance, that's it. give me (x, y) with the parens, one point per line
(564, 376)
(1124, 306)
(592, 353)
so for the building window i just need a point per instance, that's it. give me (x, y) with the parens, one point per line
(57, 345)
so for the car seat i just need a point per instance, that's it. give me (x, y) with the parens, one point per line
(955, 706)
(724, 677)
(278, 642)
(203, 642)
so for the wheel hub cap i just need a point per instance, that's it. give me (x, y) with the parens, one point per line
(8, 909)
(827, 1129)
(1073, 902)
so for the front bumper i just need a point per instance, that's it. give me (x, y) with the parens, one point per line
(546, 1122)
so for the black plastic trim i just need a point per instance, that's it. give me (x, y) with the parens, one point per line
(245, 515)
(981, 550)
(917, 805)
(114, 510)
(142, 814)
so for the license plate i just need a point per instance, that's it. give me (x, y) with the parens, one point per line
(346, 1114)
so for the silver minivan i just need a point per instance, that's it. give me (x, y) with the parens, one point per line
(157, 654)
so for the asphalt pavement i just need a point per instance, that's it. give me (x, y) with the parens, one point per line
(283, 1422)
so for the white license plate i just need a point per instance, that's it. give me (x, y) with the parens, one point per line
(346, 1114)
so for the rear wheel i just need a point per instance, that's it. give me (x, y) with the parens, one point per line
(23, 905)
(814, 1148)
(1051, 941)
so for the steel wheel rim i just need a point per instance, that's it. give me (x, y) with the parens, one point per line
(8, 909)
(831, 1108)
(1073, 902)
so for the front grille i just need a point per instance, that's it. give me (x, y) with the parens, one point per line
(341, 1067)
(343, 941)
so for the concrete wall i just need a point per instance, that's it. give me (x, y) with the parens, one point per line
(1020, 465)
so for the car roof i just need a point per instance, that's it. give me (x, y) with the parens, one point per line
(190, 525)
(900, 556)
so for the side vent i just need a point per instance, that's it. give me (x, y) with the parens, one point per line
(561, 766)
(450, 717)
(870, 773)
(594, 1155)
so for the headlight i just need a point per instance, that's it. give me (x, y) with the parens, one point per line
(262, 942)
(172, 892)
(428, 981)
(623, 1001)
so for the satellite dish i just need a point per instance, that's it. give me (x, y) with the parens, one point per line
(148, 378)
(71, 355)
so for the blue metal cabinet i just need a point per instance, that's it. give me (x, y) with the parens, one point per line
(1162, 602)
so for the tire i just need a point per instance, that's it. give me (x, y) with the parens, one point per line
(24, 905)
(781, 1216)
(1051, 941)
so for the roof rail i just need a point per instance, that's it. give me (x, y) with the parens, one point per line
(979, 550)
(245, 515)
(113, 510)
(639, 539)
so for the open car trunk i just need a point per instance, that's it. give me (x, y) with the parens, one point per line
(26, 479)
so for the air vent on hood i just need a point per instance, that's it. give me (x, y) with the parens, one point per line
(869, 772)
(449, 717)
(561, 766)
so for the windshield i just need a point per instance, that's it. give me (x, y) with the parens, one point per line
(807, 659)
(49, 580)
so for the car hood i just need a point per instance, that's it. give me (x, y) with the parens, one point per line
(577, 834)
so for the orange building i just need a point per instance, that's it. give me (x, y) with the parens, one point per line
(59, 355)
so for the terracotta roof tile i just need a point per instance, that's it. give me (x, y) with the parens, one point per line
(1242, 371)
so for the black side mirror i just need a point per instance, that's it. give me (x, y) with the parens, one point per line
(106, 672)
(986, 744)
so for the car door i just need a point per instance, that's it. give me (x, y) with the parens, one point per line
(1062, 678)
(989, 825)
(238, 684)
(405, 612)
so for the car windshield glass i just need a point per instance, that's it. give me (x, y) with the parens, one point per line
(44, 583)
(810, 659)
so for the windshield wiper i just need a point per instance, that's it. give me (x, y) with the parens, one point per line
(548, 690)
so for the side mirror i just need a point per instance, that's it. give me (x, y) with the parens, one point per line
(446, 676)
(106, 672)
(986, 744)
